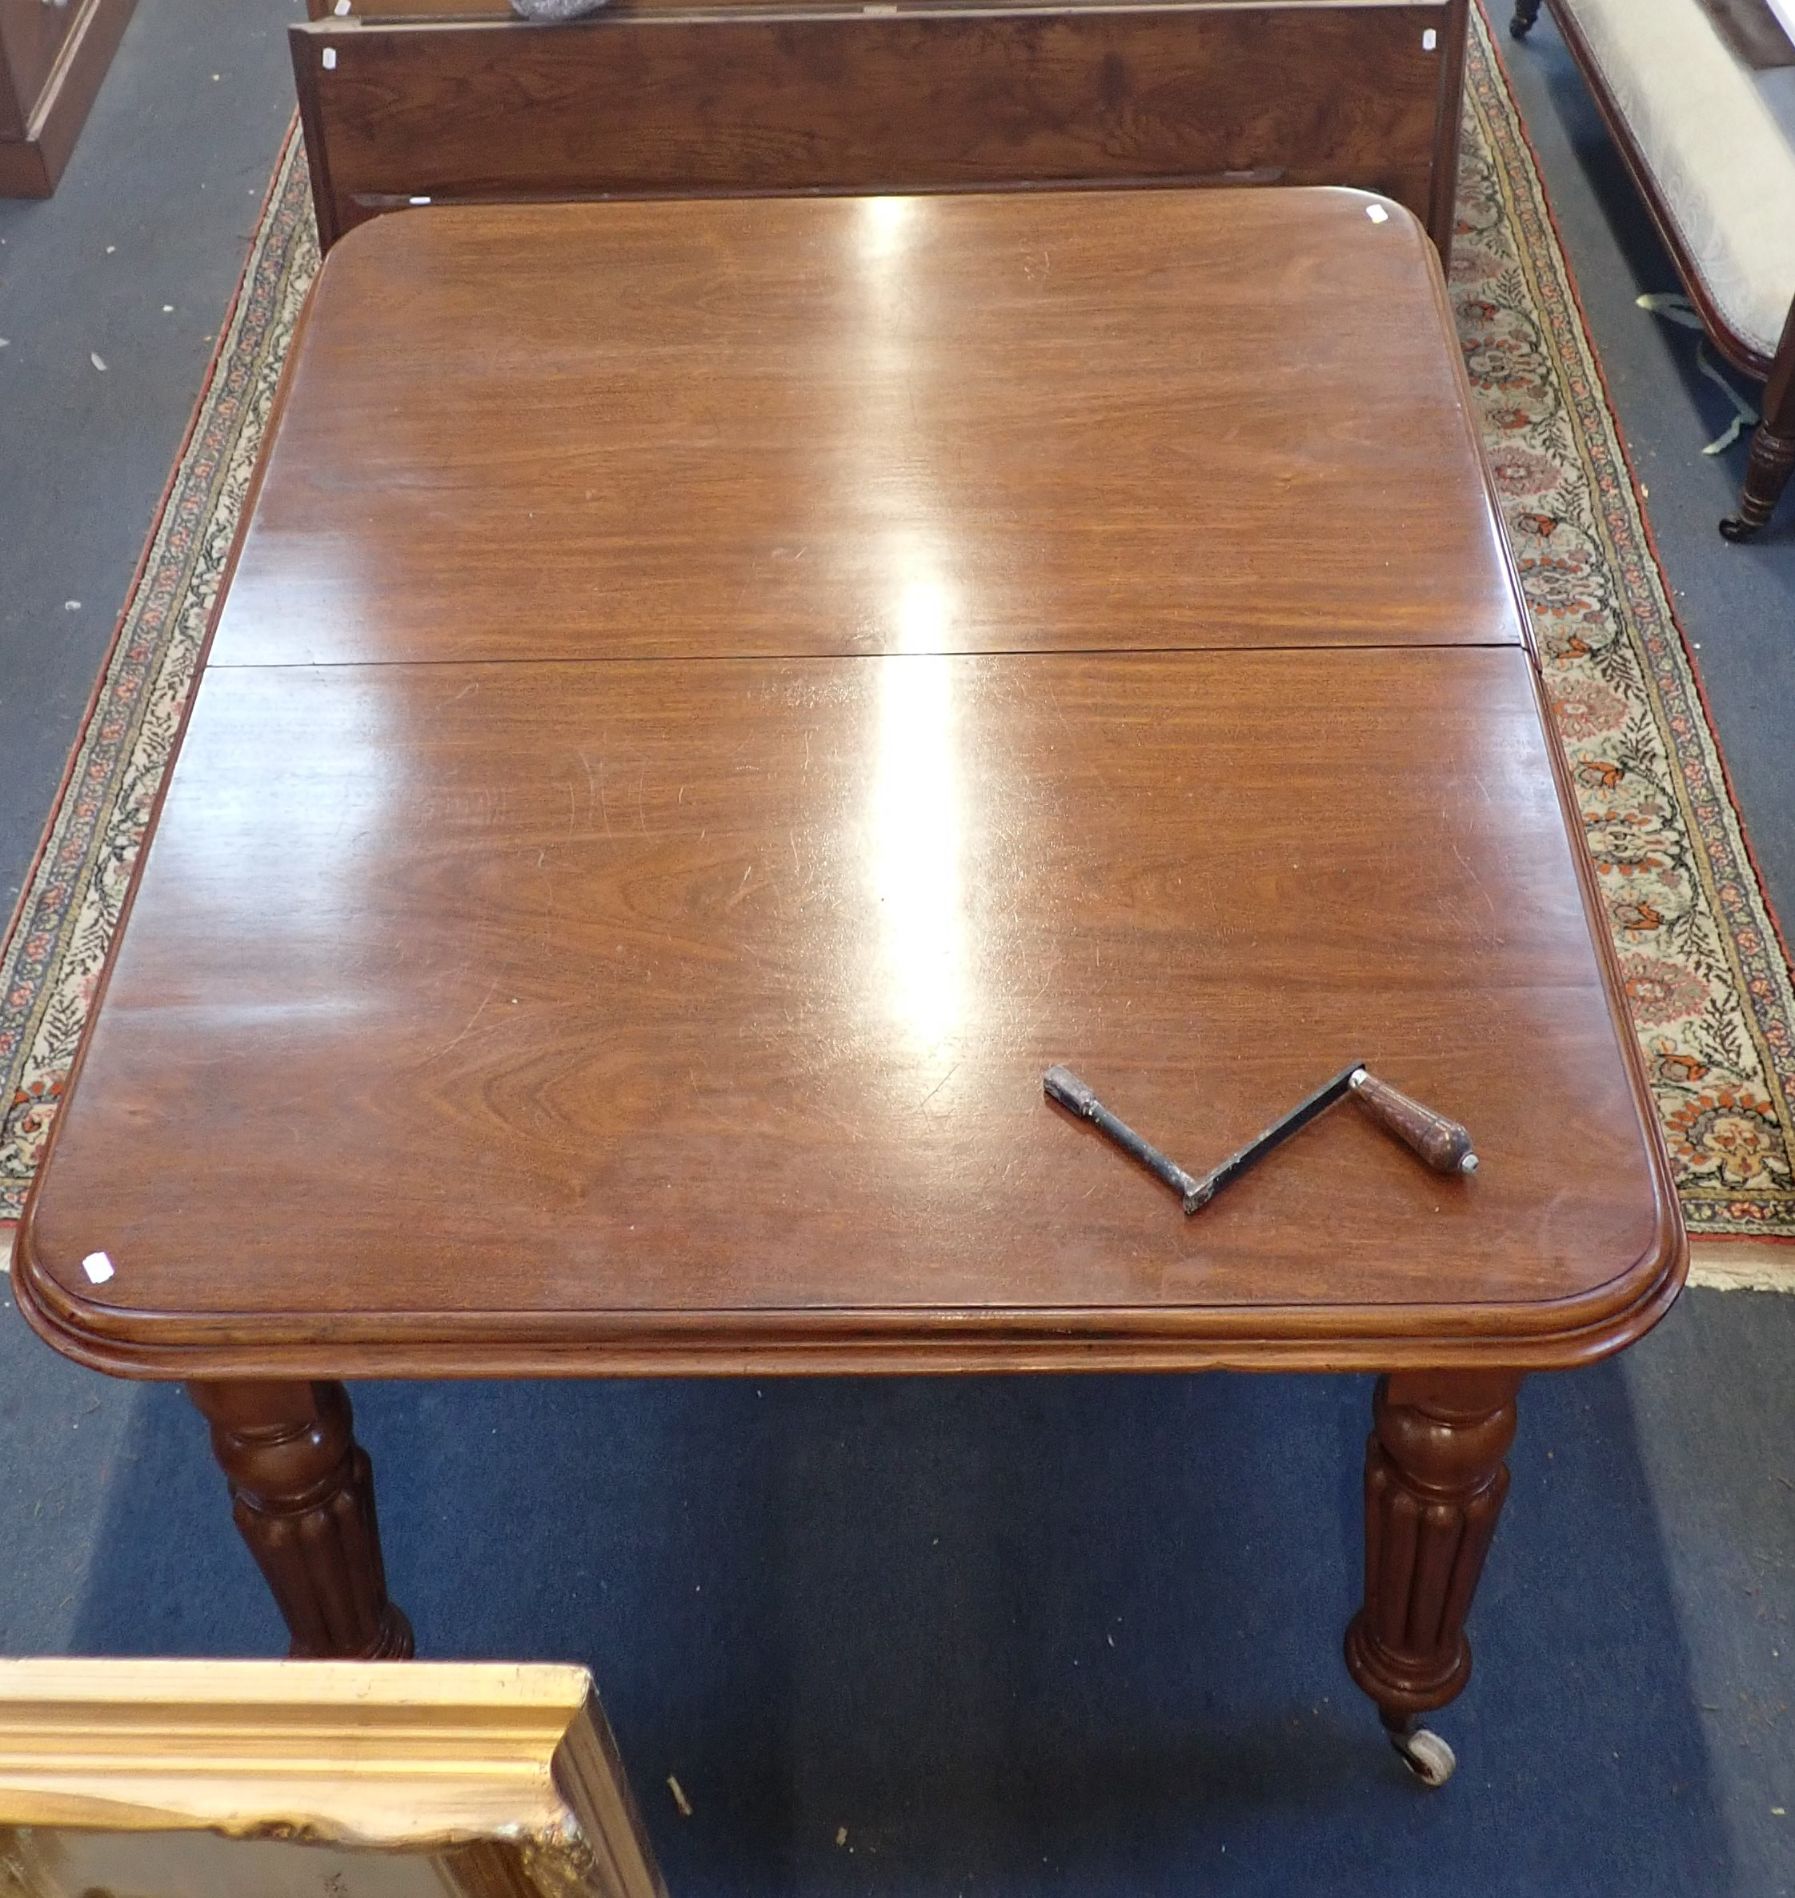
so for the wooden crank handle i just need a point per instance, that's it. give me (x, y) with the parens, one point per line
(1442, 1143)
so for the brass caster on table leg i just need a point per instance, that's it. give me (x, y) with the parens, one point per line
(1736, 530)
(1424, 1753)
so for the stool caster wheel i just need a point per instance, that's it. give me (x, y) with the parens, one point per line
(1426, 1755)
(1736, 530)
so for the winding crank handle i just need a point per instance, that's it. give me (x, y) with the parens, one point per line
(1077, 1097)
(1442, 1143)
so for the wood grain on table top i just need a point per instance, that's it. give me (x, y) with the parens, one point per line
(637, 1015)
(1153, 419)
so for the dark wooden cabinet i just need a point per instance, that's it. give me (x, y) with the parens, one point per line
(455, 101)
(53, 55)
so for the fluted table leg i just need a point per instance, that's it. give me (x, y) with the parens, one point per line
(1434, 1485)
(303, 1497)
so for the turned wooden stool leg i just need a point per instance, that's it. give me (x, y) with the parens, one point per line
(1434, 1484)
(303, 1492)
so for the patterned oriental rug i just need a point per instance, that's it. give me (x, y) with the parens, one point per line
(1706, 970)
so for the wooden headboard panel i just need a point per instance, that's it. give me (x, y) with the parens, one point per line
(663, 98)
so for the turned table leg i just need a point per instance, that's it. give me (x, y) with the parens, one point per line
(1434, 1484)
(303, 1496)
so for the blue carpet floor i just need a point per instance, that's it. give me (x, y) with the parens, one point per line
(133, 261)
(1035, 1635)
(1030, 1636)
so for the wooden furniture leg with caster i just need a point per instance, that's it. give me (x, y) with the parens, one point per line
(302, 1492)
(1525, 14)
(1434, 1485)
(1772, 446)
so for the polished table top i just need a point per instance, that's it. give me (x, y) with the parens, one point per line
(973, 424)
(715, 698)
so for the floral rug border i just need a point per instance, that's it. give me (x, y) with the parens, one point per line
(1693, 1093)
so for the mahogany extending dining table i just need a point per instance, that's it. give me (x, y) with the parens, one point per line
(711, 700)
